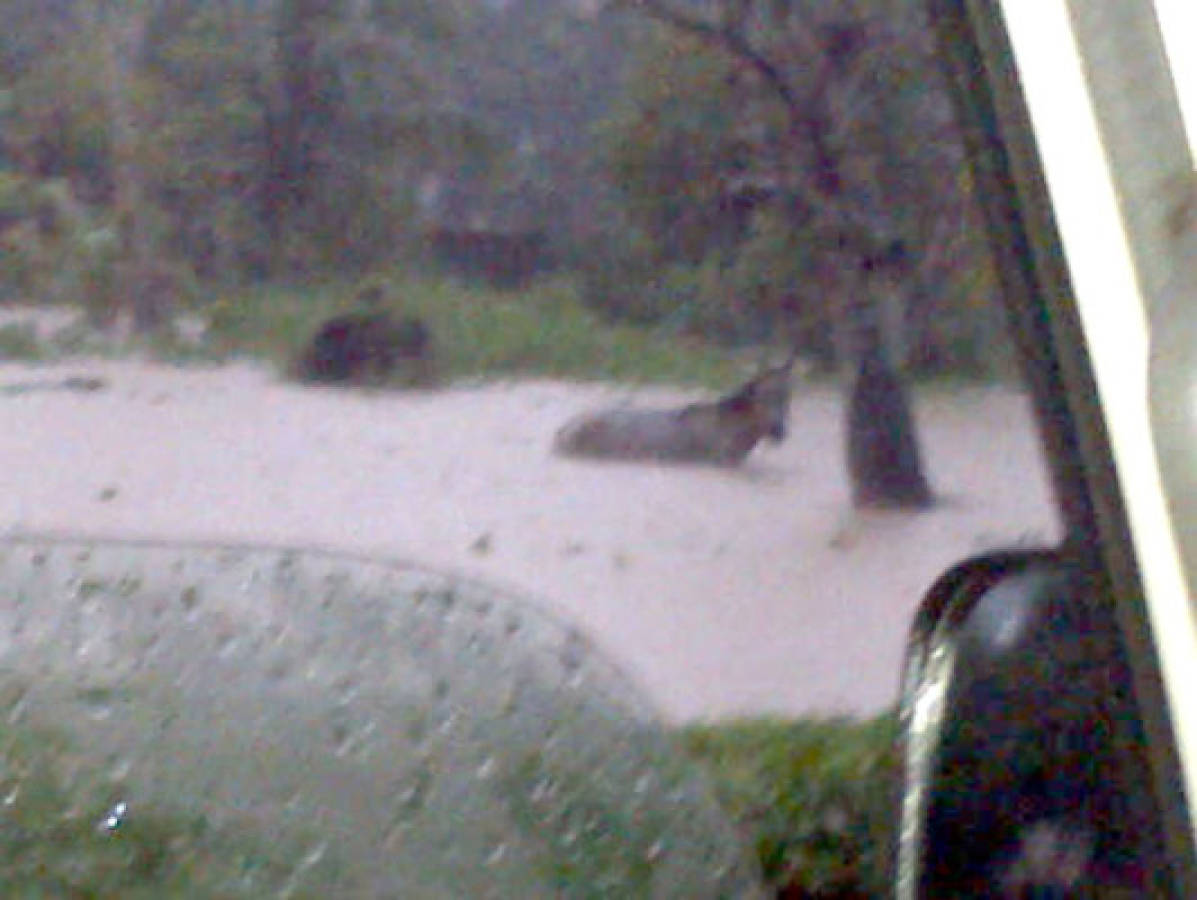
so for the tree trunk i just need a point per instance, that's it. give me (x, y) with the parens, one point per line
(885, 462)
(122, 32)
(864, 270)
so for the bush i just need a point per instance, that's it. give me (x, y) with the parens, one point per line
(816, 797)
(475, 332)
(728, 297)
(18, 340)
(65, 836)
(618, 281)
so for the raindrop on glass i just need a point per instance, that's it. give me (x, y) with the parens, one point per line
(655, 851)
(226, 645)
(15, 702)
(409, 802)
(313, 856)
(496, 855)
(9, 792)
(643, 783)
(120, 768)
(114, 818)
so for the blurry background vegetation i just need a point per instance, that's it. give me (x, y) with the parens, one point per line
(713, 172)
(815, 799)
(620, 189)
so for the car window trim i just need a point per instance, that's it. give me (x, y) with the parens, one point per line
(1047, 326)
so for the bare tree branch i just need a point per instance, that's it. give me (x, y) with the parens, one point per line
(727, 38)
(808, 118)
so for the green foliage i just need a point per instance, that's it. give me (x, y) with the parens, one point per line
(618, 279)
(594, 839)
(58, 114)
(95, 260)
(699, 301)
(716, 254)
(959, 329)
(19, 341)
(262, 136)
(672, 148)
(56, 250)
(766, 150)
(64, 836)
(209, 133)
(816, 796)
(731, 299)
(476, 332)
(546, 332)
(299, 140)
(14, 196)
(20, 243)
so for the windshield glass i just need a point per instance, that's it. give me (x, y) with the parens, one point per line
(670, 328)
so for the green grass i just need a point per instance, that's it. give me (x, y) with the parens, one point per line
(593, 838)
(815, 797)
(477, 333)
(63, 836)
(19, 341)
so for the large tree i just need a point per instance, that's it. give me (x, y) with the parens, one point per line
(823, 120)
(236, 136)
(828, 116)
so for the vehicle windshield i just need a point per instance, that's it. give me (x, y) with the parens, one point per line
(635, 366)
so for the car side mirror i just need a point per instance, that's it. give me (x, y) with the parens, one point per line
(1023, 750)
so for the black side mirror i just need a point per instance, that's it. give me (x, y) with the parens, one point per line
(1023, 748)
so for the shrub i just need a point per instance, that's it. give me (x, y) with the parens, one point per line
(816, 797)
(18, 340)
(64, 836)
(476, 332)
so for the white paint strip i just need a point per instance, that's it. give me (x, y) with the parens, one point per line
(1178, 22)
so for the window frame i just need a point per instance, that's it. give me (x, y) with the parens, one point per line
(1005, 95)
